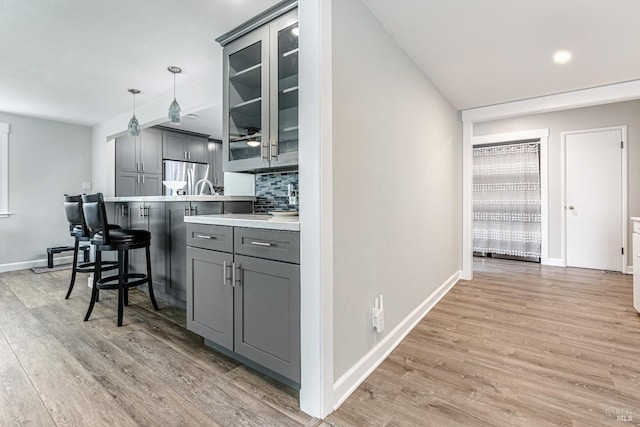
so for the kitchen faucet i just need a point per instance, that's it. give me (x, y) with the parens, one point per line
(207, 182)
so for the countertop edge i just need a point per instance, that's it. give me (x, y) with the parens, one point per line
(268, 222)
(181, 199)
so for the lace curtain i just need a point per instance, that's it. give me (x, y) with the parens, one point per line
(506, 200)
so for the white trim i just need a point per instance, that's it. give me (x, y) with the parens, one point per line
(316, 208)
(350, 380)
(5, 129)
(629, 269)
(25, 265)
(624, 178)
(563, 101)
(554, 262)
(543, 136)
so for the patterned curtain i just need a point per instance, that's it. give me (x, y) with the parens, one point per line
(506, 200)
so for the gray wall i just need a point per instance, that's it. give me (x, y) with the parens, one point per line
(396, 174)
(46, 160)
(621, 113)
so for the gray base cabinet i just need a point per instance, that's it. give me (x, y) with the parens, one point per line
(149, 216)
(247, 304)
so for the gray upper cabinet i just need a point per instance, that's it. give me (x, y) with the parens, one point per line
(139, 164)
(260, 97)
(185, 147)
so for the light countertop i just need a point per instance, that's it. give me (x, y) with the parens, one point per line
(193, 198)
(286, 223)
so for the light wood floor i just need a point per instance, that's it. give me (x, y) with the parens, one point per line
(521, 344)
(56, 369)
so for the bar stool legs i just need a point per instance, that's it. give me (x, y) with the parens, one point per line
(74, 269)
(150, 284)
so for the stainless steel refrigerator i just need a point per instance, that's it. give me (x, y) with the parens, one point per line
(194, 174)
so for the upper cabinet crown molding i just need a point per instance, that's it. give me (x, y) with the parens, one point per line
(257, 21)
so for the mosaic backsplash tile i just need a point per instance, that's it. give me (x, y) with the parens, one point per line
(271, 191)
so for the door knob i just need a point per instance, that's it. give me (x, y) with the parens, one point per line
(570, 208)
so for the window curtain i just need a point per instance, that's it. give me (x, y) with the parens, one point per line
(506, 200)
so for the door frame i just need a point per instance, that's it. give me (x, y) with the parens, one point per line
(515, 137)
(624, 178)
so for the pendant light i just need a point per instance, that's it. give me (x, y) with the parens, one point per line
(175, 116)
(134, 127)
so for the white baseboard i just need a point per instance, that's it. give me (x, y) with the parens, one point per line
(556, 262)
(24, 265)
(629, 269)
(350, 380)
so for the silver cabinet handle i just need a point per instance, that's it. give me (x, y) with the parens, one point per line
(122, 211)
(189, 154)
(187, 210)
(138, 178)
(265, 244)
(193, 210)
(264, 148)
(185, 156)
(137, 166)
(274, 149)
(203, 236)
(571, 208)
(143, 179)
(237, 280)
(142, 166)
(140, 214)
(226, 278)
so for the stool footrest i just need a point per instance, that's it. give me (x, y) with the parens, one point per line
(108, 282)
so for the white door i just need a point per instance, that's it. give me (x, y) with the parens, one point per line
(594, 199)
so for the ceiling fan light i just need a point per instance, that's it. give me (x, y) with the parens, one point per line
(253, 143)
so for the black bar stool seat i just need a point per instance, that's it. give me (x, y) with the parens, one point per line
(121, 240)
(80, 232)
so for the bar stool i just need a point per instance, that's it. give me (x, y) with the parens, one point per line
(79, 231)
(122, 241)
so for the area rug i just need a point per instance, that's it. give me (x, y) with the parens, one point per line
(39, 270)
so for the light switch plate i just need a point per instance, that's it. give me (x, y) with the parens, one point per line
(86, 185)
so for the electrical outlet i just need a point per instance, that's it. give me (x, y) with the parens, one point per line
(377, 314)
(86, 185)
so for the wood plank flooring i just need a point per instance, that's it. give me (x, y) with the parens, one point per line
(519, 345)
(56, 369)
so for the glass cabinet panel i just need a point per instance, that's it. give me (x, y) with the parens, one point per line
(245, 103)
(288, 90)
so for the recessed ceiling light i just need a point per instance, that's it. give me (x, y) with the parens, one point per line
(192, 116)
(562, 57)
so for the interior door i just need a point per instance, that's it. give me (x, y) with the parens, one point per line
(594, 199)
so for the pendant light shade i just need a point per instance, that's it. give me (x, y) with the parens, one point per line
(175, 113)
(134, 127)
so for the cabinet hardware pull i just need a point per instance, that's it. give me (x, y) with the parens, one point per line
(143, 179)
(146, 211)
(233, 274)
(184, 155)
(226, 278)
(140, 215)
(238, 276)
(189, 153)
(122, 211)
(137, 166)
(138, 179)
(264, 147)
(274, 149)
(142, 166)
(265, 244)
(202, 236)
(186, 211)
(193, 210)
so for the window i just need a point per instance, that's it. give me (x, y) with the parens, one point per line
(4, 170)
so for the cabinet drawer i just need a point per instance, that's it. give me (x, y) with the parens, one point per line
(268, 244)
(216, 237)
(636, 227)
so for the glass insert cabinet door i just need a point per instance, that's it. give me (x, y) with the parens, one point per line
(261, 97)
(284, 91)
(246, 94)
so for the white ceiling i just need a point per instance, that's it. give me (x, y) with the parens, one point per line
(73, 61)
(492, 51)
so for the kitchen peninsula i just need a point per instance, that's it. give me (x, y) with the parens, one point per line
(163, 217)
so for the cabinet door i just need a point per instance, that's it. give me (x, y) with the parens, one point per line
(156, 225)
(150, 185)
(196, 149)
(127, 183)
(172, 146)
(151, 151)
(283, 150)
(267, 314)
(176, 232)
(210, 295)
(246, 102)
(127, 154)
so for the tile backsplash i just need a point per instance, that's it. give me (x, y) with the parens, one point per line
(271, 191)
